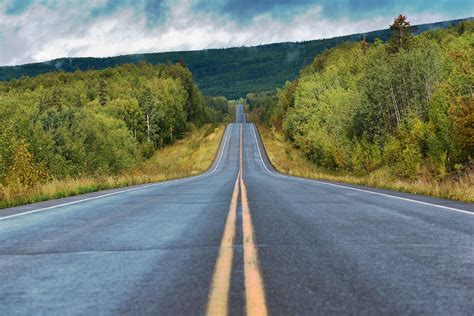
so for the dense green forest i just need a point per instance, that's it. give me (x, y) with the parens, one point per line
(406, 104)
(231, 72)
(92, 123)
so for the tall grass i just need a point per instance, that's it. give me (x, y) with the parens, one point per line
(288, 159)
(189, 156)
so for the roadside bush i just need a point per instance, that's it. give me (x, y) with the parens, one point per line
(366, 157)
(404, 160)
(409, 166)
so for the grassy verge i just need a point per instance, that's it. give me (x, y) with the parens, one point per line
(288, 159)
(189, 156)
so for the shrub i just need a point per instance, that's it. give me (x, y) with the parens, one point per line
(366, 156)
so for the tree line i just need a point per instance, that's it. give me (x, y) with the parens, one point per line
(405, 104)
(90, 123)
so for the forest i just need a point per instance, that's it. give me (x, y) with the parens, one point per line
(95, 123)
(231, 72)
(405, 105)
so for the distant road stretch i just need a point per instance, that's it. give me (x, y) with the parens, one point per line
(243, 239)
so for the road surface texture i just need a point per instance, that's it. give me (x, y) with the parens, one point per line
(241, 238)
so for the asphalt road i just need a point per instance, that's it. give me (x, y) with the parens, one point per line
(241, 238)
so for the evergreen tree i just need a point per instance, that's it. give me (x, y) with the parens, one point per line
(364, 44)
(401, 34)
(461, 28)
(102, 93)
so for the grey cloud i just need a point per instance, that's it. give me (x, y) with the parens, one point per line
(14, 50)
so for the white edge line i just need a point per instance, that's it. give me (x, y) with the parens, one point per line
(127, 190)
(351, 188)
(223, 148)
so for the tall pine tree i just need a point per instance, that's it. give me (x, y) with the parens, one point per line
(401, 34)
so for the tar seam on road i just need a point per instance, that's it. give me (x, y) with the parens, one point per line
(218, 301)
(127, 190)
(350, 188)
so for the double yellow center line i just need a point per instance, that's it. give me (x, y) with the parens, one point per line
(254, 290)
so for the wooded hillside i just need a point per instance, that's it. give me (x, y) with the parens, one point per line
(93, 123)
(406, 104)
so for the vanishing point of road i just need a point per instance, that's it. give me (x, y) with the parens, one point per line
(239, 239)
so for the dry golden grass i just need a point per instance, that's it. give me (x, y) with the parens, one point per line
(288, 159)
(189, 156)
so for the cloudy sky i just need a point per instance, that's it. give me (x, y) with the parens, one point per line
(39, 30)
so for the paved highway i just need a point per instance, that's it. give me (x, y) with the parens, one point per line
(241, 238)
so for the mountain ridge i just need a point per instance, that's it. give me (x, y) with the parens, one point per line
(231, 72)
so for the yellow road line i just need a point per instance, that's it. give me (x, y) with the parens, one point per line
(219, 293)
(254, 289)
